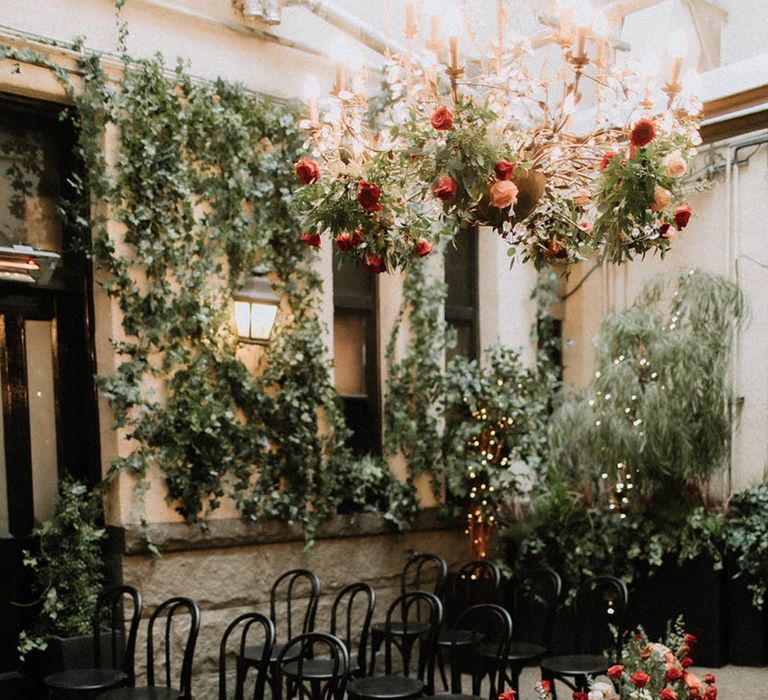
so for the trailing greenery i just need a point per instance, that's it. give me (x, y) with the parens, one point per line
(68, 571)
(414, 405)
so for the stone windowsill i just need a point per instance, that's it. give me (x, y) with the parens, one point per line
(235, 532)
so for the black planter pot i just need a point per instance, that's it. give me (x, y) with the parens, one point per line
(747, 633)
(692, 589)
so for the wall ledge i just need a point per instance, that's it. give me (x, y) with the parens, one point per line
(236, 532)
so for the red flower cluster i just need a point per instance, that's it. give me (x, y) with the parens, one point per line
(368, 196)
(442, 119)
(643, 132)
(445, 189)
(348, 241)
(310, 238)
(307, 171)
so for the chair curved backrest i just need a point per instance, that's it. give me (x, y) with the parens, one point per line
(266, 639)
(173, 610)
(401, 634)
(424, 572)
(534, 604)
(476, 582)
(286, 588)
(600, 605)
(491, 633)
(351, 615)
(111, 614)
(300, 651)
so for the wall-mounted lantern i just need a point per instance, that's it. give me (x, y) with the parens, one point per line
(256, 307)
(22, 263)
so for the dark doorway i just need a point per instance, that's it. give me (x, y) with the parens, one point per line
(49, 418)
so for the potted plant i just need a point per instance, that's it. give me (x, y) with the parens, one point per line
(68, 573)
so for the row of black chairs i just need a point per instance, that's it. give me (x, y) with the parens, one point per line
(472, 631)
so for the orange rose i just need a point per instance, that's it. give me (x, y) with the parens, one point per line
(661, 198)
(503, 194)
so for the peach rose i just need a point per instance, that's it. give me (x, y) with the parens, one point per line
(503, 194)
(661, 198)
(692, 681)
(674, 164)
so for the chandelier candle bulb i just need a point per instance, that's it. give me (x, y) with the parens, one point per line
(453, 42)
(410, 27)
(566, 13)
(581, 40)
(339, 85)
(674, 73)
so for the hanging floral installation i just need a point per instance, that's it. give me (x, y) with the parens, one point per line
(581, 158)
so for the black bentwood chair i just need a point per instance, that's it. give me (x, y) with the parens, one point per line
(534, 602)
(489, 627)
(407, 679)
(182, 617)
(351, 615)
(476, 582)
(599, 616)
(422, 572)
(298, 590)
(117, 615)
(302, 654)
(244, 624)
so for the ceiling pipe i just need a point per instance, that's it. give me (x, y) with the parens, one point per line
(350, 24)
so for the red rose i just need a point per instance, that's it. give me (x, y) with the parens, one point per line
(580, 695)
(374, 263)
(310, 238)
(445, 188)
(686, 662)
(643, 132)
(694, 693)
(423, 247)
(673, 674)
(690, 639)
(608, 156)
(555, 249)
(504, 169)
(348, 241)
(307, 171)
(368, 196)
(615, 671)
(682, 217)
(710, 693)
(708, 678)
(442, 119)
(639, 679)
(545, 686)
(508, 695)
(667, 694)
(664, 231)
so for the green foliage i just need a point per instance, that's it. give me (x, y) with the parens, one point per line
(746, 538)
(415, 388)
(658, 412)
(68, 567)
(202, 188)
(367, 485)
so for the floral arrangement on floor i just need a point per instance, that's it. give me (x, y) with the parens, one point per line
(655, 670)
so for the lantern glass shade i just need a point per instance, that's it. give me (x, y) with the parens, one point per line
(255, 309)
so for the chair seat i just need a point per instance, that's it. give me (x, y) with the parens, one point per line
(253, 653)
(158, 693)
(576, 665)
(459, 638)
(525, 651)
(397, 627)
(385, 688)
(455, 696)
(315, 669)
(86, 679)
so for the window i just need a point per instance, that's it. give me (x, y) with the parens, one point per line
(355, 351)
(461, 301)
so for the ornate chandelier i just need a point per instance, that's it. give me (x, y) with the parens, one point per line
(580, 156)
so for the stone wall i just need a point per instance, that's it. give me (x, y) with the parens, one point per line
(234, 574)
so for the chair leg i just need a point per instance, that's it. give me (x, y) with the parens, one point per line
(441, 668)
